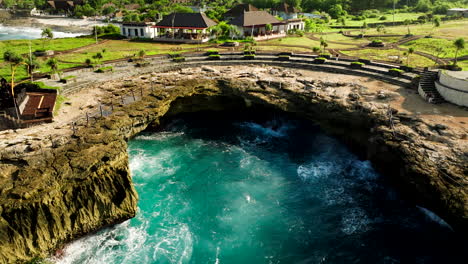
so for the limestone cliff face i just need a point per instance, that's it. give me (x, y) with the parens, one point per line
(66, 192)
(62, 194)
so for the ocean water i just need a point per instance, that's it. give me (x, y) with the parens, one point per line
(277, 190)
(11, 33)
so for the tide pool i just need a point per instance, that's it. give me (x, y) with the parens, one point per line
(217, 190)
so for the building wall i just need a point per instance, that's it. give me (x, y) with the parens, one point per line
(454, 90)
(463, 13)
(295, 25)
(138, 32)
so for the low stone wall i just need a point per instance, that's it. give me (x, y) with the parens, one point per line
(453, 87)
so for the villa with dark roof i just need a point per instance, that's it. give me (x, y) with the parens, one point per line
(254, 24)
(64, 5)
(184, 28)
(238, 10)
(285, 11)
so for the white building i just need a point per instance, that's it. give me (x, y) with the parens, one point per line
(458, 11)
(295, 24)
(138, 30)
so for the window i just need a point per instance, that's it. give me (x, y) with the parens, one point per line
(142, 33)
(136, 32)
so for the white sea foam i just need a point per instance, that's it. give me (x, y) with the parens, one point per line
(355, 221)
(317, 170)
(161, 136)
(9, 33)
(271, 129)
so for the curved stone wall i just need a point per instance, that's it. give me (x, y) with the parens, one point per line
(453, 86)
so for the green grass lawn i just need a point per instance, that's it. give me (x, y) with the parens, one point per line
(118, 49)
(449, 29)
(22, 46)
(387, 55)
(429, 45)
(398, 17)
(300, 41)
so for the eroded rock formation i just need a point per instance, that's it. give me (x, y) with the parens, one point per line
(73, 188)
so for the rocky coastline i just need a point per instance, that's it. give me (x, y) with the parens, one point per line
(58, 188)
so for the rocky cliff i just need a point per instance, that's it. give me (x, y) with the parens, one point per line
(80, 184)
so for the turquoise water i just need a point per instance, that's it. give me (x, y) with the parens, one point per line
(265, 191)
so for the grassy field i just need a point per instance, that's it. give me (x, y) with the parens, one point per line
(22, 46)
(430, 45)
(118, 49)
(390, 55)
(398, 17)
(449, 29)
(301, 41)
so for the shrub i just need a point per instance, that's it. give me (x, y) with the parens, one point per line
(325, 55)
(249, 56)
(178, 59)
(383, 18)
(283, 57)
(214, 57)
(395, 72)
(315, 49)
(212, 52)
(357, 63)
(320, 60)
(174, 54)
(104, 69)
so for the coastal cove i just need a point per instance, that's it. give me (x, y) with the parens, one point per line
(94, 162)
(260, 186)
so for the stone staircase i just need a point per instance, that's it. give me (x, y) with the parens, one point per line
(7, 121)
(427, 87)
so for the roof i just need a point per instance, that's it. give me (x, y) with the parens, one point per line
(283, 7)
(239, 10)
(458, 9)
(39, 105)
(136, 24)
(186, 20)
(64, 4)
(254, 18)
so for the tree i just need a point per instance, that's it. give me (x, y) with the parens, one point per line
(410, 51)
(364, 28)
(268, 28)
(31, 65)
(15, 60)
(46, 34)
(98, 57)
(436, 21)
(459, 45)
(407, 23)
(141, 54)
(88, 62)
(53, 64)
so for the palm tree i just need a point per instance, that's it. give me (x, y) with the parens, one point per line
(88, 62)
(32, 65)
(459, 45)
(407, 23)
(15, 60)
(46, 34)
(98, 57)
(53, 64)
(141, 54)
(410, 51)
